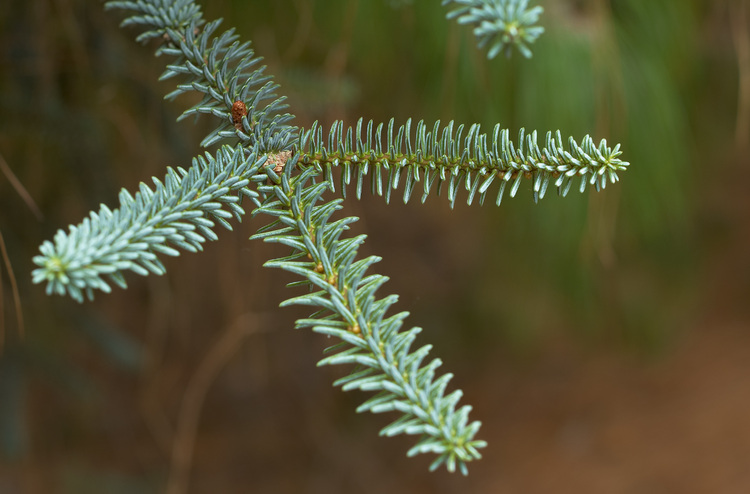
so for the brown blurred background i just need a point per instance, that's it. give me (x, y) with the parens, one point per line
(602, 339)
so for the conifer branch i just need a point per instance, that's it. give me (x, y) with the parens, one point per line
(225, 71)
(499, 24)
(179, 212)
(437, 155)
(346, 308)
(290, 172)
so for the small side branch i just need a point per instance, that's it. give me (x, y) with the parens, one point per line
(499, 25)
(456, 157)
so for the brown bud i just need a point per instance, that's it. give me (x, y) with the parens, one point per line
(239, 110)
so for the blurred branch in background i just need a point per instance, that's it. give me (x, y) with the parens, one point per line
(192, 402)
(501, 24)
(27, 199)
(20, 189)
(610, 118)
(14, 291)
(738, 13)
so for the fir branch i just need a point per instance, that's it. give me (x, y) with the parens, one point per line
(179, 212)
(437, 155)
(217, 66)
(499, 24)
(157, 16)
(286, 169)
(344, 297)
